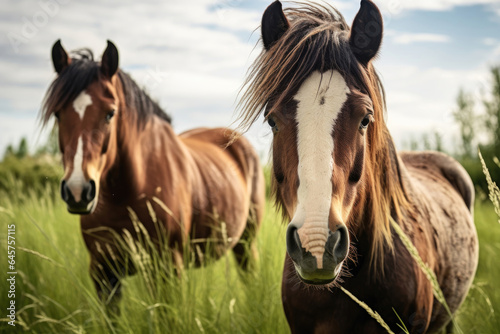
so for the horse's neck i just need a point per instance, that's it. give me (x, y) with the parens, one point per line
(136, 150)
(382, 196)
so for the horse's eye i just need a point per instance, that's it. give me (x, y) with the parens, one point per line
(110, 115)
(365, 122)
(56, 114)
(272, 123)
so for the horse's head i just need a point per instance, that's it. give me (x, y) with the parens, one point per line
(84, 99)
(314, 80)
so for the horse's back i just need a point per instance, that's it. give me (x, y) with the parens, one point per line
(231, 171)
(231, 144)
(228, 142)
(443, 194)
(447, 167)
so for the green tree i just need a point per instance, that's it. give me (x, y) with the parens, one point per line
(464, 116)
(9, 151)
(22, 150)
(492, 107)
(52, 144)
(413, 144)
(438, 141)
(426, 143)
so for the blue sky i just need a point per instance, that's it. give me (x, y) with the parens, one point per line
(192, 57)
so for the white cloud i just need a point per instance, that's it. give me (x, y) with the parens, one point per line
(397, 6)
(488, 41)
(201, 48)
(409, 38)
(494, 53)
(192, 56)
(13, 127)
(422, 100)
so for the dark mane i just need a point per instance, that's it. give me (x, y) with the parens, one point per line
(318, 40)
(136, 98)
(82, 72)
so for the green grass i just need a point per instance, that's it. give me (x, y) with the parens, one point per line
(54, 293)
(480, 312)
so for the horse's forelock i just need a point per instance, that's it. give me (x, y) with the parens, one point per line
(82, 71)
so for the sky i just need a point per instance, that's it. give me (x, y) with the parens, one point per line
(192, 57)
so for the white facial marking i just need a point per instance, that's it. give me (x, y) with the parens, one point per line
(81, 103)
(77, 179)
(320, 100)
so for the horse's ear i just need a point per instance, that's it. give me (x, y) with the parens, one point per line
(274, 24)
(60, 58)
(366, 32)
(109, 62)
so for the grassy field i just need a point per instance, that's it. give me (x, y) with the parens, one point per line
(54, 293)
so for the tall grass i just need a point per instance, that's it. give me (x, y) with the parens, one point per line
(480, 311)
(494, 192)
(54, 293)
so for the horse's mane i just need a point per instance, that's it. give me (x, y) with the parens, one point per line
(318, 40)
(83, 71)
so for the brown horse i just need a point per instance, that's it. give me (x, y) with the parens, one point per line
(120, 152)
(338, 179)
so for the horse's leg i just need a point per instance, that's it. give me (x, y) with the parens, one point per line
(106, 278)
(449, 328)
(245, 251)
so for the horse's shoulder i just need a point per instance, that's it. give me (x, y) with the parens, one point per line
(445, 166)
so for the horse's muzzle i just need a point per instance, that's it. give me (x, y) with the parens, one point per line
(336, 248)
(87, 198)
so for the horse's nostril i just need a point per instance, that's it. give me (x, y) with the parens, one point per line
(88, 192)
(91, 191)
(339, 241)
(64, 191)
(293, 244)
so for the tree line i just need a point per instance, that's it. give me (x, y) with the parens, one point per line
(480, 130)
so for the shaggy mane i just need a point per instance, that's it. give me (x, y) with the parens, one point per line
(318, 40)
